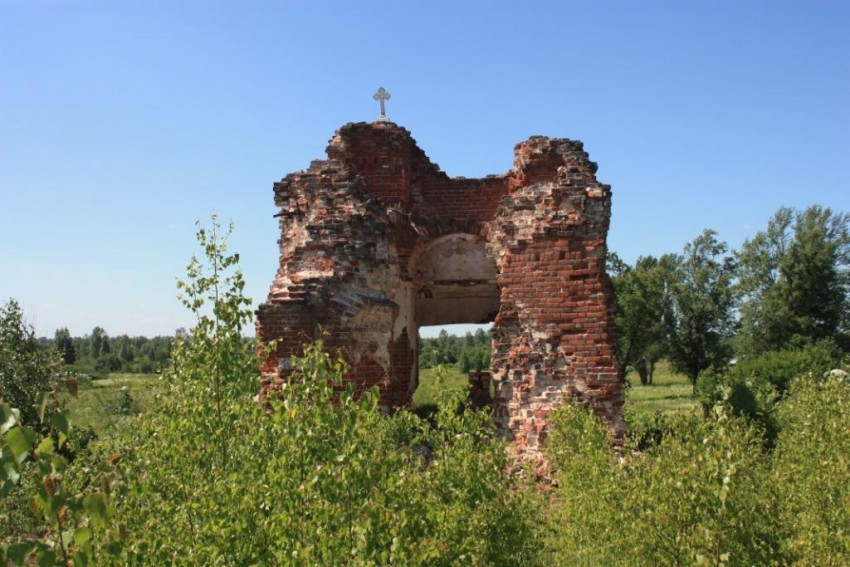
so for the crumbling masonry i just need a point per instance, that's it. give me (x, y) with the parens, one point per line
(376, 241)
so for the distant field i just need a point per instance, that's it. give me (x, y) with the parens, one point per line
(99, 405)
(426, 395)
(669, 392)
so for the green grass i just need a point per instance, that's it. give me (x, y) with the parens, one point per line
(98, 405)
(669, 393)
(430, 385)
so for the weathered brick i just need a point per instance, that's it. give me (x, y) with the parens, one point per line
(377, 240)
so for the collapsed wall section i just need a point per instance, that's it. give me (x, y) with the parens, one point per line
(339, 281)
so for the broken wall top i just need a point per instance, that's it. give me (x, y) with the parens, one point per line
(383, 160)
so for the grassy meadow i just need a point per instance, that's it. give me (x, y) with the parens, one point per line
(669, 393)
(432, 384)
(100, 403)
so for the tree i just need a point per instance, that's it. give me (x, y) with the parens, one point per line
(642, 305)
(794, 281)
(124, 349)
(65, 345)
(466, 361)
(446, 348)
(702, 299)
(26, 369)
(99, 342)
(475, 357)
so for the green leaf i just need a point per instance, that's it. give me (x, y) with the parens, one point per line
(82, 557)
(18, 552)
(95, 505)
(20, 440)
(45, 447)
(8, 417)
(82, 535)
(41, 403)
(47, 559)
(9, 470)
(61, 423)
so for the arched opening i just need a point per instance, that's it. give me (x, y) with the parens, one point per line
(454, 279)
(455, 282)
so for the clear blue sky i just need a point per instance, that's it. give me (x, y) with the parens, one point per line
(122, 122)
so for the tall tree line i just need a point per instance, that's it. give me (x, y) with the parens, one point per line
(470, 352)
(98, 353)
(788, 287)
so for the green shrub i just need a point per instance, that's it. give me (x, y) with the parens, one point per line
(17, 516)
(314, 475)
(753, 387)
(26, 369)
(646, 430)
(73, 523)
(778, 368)
(322, 477)
(698, 497)
(749, 397)
(811, 466)
(126, 403)
(585, 524)
(43, 517)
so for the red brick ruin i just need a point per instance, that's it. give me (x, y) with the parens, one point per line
(377, 241)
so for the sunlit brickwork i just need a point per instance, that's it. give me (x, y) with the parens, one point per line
(376, 241)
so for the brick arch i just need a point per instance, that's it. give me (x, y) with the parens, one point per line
(435, 229)
(358, 229)
(454, 279)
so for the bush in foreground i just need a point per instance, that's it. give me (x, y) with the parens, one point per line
(695, 498)
(811, 468)
(709, 492)
(315, 475)
(321, 478)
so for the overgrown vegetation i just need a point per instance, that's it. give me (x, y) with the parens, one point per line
(728, 464)
(36, 474)
(27, 371)
(312, 476)
(707, 492)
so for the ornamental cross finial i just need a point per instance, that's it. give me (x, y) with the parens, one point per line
(381, 96)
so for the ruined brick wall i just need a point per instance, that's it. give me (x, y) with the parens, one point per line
(376, 240)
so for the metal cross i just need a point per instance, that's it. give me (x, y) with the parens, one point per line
(381, 96)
